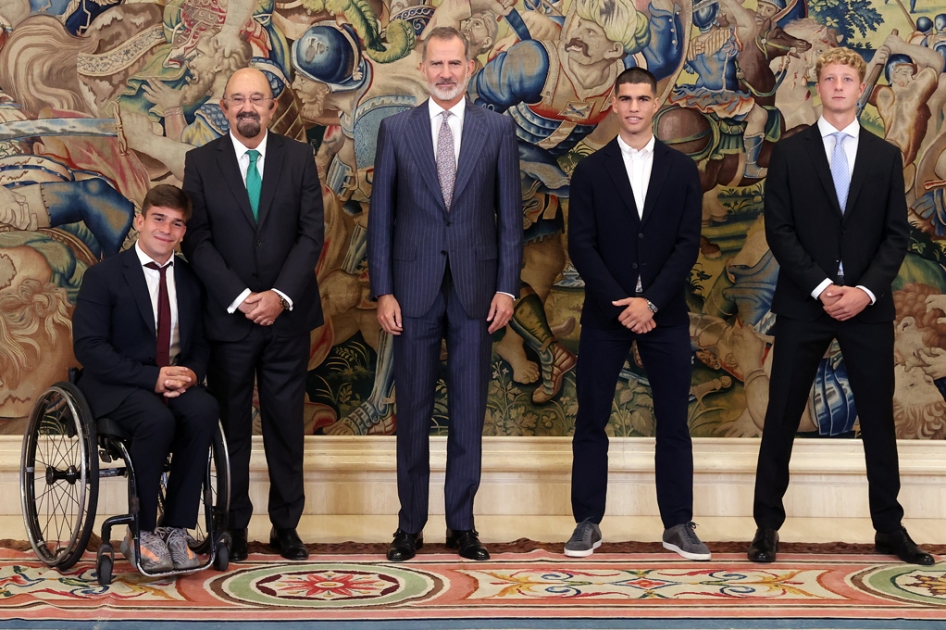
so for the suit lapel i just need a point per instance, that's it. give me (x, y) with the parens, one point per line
(230, 169)
(471, 145)
(135, 277)
(819, 159)
(614, 162)
(186, 298)
(859, 176)
(658, 174)
(271, 171)
(421, 143)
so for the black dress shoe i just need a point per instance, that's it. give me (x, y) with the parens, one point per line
(238, 547)
(288, 543)
(467, 542)
(404, 545)
(900, 544)
(764, 545)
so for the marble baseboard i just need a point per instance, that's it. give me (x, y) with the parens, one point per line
(530, 477)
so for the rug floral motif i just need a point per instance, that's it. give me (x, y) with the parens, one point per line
(513, 585)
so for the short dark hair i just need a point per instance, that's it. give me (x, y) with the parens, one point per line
(636, 75)
(446, 33)
(167, 196)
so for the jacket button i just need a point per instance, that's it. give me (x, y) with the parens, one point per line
(640, 236)
(443, 251)
(634, 266)
(448, 224)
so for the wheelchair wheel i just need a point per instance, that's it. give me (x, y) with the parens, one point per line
(218, 476)
(59, 476)
(104, 564)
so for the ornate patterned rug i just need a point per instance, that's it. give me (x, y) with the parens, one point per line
(538, 585)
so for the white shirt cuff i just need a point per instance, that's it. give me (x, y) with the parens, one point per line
(873, 298)
(284, 296)
(820, 288)
(236, 303)
(509, 294)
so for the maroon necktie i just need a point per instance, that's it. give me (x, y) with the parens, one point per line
(164, 317)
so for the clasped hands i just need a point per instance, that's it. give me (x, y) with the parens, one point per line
(174, 380)
(262, 308)
(636, 315)
(843, 303)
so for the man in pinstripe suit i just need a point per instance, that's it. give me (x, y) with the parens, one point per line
(444, 252)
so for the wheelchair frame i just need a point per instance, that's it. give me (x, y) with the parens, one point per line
(59, 486)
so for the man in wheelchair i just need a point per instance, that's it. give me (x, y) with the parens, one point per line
(138, 334)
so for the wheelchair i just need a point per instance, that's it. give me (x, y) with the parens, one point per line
(59, 486)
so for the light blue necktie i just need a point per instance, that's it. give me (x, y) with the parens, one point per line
(254, 183)
(840, 171)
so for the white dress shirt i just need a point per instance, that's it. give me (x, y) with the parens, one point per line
(639, 164)
(853, 132)
(454, 121)
(243, 159)
(153, 279)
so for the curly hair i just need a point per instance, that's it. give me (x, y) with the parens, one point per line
(843, 56)
(910, 301)
(28, 310)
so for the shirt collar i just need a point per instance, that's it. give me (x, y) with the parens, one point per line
(627, 149)
(827, 128)
(457, 110)
(241, 148)
(145, 258)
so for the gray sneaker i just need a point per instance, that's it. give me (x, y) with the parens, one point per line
(585, 539)
(155, 557)
(182, 555)
(682, 538)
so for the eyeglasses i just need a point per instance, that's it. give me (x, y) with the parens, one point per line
(256, 100)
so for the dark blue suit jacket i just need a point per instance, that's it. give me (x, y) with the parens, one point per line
(114, 334)
(610, 244)
(410, 233)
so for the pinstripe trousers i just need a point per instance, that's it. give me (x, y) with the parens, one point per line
(417, 365)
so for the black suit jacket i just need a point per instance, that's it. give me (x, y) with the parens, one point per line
(113, 330)
(809, 236)
(610, 244)
(231, 251)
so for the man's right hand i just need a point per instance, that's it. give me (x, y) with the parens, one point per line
(389, 314)
(830, 295)
(249, 303)
(174, 380)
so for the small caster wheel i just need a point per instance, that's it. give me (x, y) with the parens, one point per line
(104, 562)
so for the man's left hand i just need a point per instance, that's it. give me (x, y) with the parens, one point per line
(500, 312)
(268, 307)
(852, 301)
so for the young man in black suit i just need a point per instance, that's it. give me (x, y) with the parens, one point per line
(634, 234)
(254, 240)
(836, 222)
(138, 333)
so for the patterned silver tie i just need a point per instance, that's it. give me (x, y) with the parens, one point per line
(840, 171)
(446, 161)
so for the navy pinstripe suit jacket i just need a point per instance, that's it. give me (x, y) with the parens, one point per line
(410, 233)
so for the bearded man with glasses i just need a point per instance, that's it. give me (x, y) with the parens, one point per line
(254, 240)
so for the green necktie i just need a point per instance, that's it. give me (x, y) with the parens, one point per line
(254, 183)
